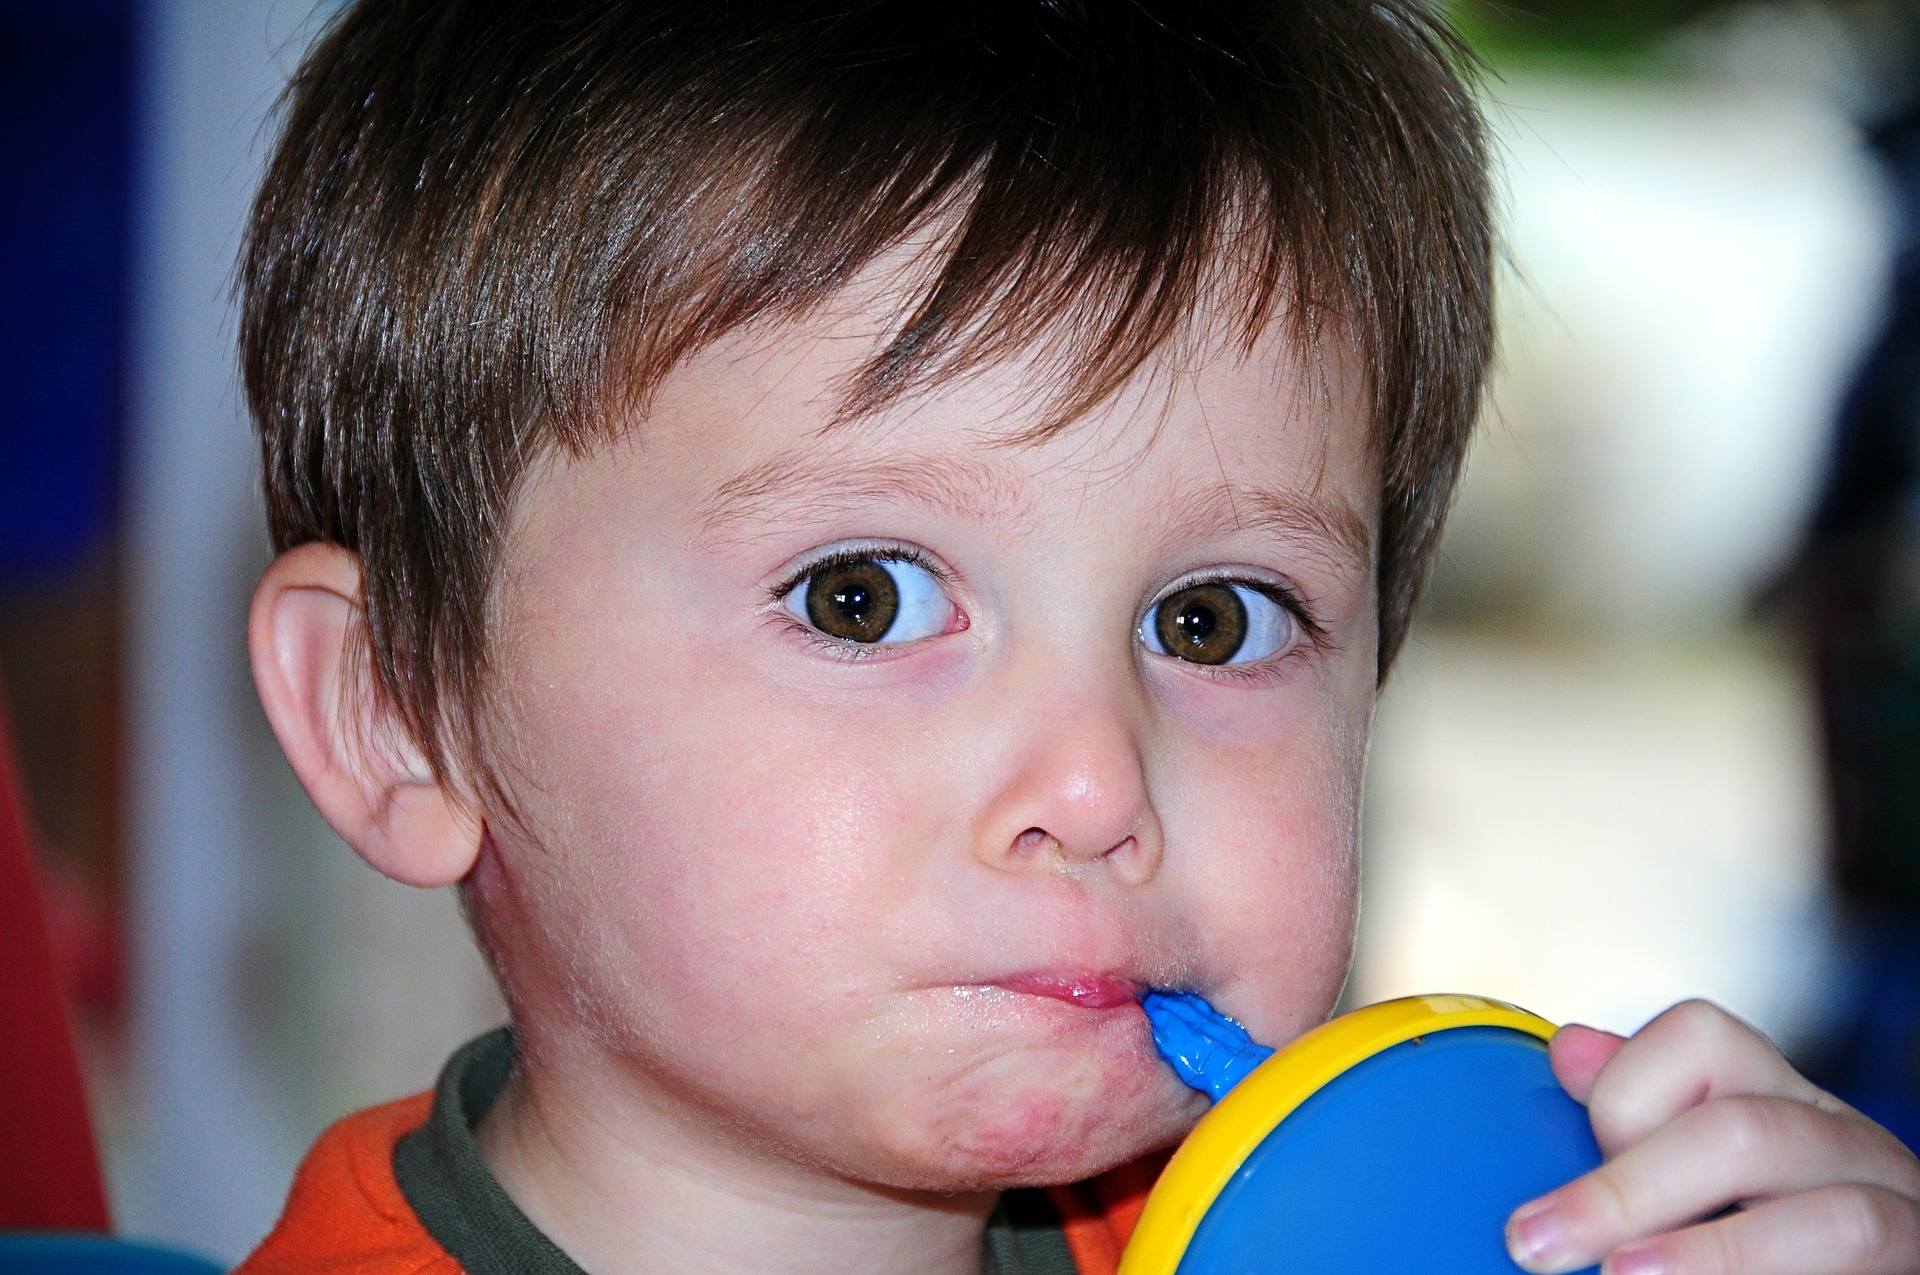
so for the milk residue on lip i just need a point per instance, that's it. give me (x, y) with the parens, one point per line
(1089, 991)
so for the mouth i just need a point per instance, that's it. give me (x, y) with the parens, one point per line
(1087, 991)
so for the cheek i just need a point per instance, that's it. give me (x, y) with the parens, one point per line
(1274, 834)
(724, 869)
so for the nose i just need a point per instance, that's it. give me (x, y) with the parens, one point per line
(1074, 796)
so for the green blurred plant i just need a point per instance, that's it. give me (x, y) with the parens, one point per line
(1579, 31)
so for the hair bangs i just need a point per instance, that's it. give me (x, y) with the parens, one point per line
(491, 228)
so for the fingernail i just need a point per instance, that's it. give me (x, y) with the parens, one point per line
(1537, 1237)
(1643, 1261)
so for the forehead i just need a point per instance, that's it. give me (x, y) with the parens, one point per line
(1268, 432)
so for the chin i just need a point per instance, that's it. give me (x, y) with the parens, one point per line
(995, 1132)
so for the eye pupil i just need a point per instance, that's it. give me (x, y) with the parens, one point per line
(854, 601)
(1197, 623)
(1205, 624)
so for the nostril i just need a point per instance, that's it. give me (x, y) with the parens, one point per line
(1133, 861)
(1032, 841)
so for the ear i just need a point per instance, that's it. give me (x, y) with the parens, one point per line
(306, 635)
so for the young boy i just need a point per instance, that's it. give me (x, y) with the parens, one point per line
(863, 535)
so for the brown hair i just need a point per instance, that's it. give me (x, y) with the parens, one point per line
(487, 219)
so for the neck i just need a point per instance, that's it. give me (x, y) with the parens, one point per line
(625, 1179)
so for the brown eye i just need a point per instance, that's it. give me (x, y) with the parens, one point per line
(1222, 622)
(1203, 623)
(873, 598)
(855, 601)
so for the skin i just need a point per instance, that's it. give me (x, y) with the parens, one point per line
(788, 927)
(1698, 1114)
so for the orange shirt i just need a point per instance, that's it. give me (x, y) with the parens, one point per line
(346, 1211)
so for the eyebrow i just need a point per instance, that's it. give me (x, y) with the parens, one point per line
(807, 483)
(1322, 522)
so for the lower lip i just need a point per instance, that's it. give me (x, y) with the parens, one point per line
(1088, 991)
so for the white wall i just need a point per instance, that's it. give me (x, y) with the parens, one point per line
(1596, 785)
(278, 981)
(211, 1148)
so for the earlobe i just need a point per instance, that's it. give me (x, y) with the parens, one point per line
(349, 749)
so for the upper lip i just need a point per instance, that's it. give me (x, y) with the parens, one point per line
(1085, 988)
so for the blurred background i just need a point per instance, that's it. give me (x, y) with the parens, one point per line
(1658, 734)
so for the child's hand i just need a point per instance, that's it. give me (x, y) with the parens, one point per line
(1699, 1112)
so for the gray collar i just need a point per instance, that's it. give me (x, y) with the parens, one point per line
(456, 1198)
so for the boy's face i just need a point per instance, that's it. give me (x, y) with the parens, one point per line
(867, 772)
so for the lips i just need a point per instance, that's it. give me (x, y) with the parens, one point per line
(1088, 991)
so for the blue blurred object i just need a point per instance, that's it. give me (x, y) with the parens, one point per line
(93, 1255)
(1398, 1138)
(1854, 593)
(1871, 1060)
(65, 161)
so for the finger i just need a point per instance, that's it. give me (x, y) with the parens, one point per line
(1578, 1052)
(1693, 1053)
(1730, 1151)
(1837, 1230)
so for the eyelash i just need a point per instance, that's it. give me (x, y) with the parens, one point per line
(1281, 595)
(1284, 596)
(850, 651)
(856, 554)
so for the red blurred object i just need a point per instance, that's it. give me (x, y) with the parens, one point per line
(49, 1168)
(87, 950)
